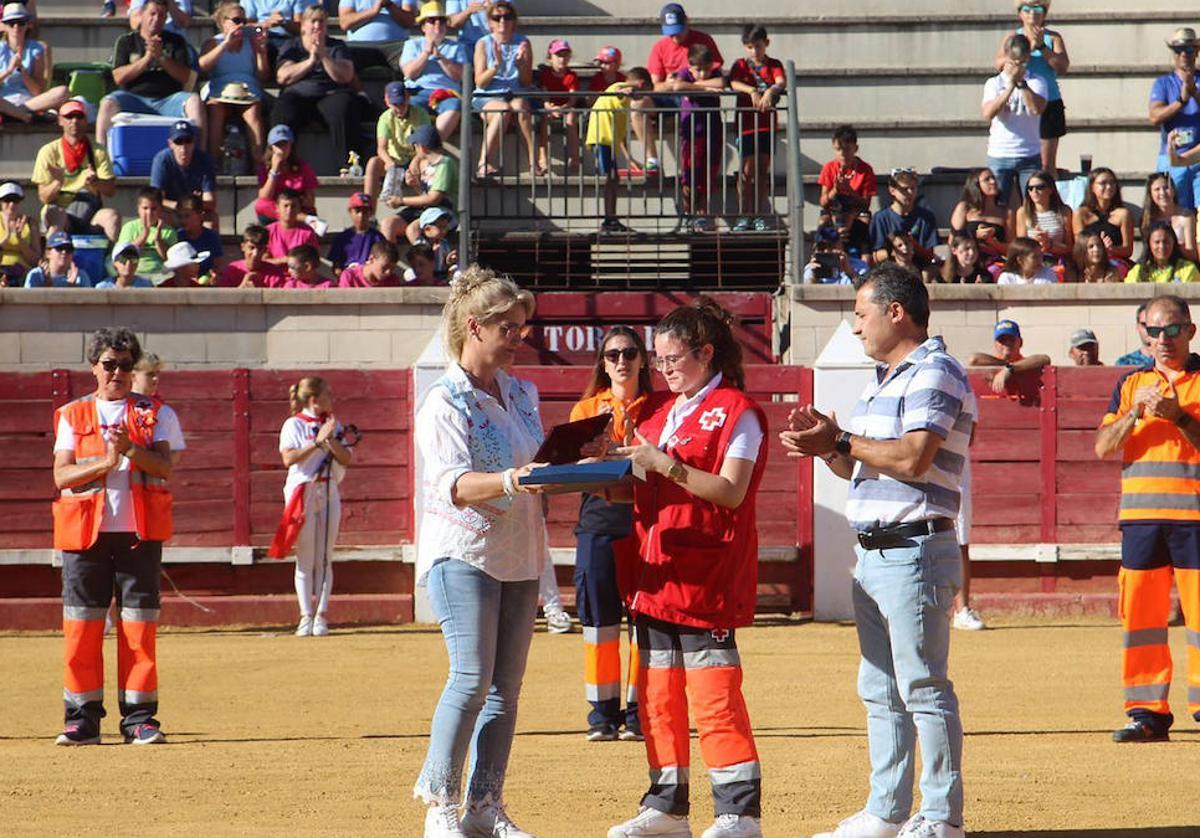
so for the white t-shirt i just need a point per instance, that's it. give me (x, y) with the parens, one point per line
(118, 498)
(1015, 131)
(169, 421)
(296, 433)
(1043, 277)
(747, 433)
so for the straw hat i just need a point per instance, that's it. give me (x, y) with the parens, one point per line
(236, 93)
(1184, 36)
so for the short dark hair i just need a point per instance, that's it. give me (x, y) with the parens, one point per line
(640, 74)
(305, 253)
(423, 250)
(752, 32)
(892, 283)
(1174, 301)
(149, 193)
(699, 55)
(118, 339)
(257, 235)
(191, 202)
(845, 134)
(386, 249)
(291, 194)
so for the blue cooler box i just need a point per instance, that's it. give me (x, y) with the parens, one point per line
(89, 256)
(132, 145)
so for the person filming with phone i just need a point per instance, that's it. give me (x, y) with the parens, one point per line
(1175, 110)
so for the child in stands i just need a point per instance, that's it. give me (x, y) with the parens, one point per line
(965, 265)
(252, 270)
(303, 262)
(701, 136)
(150, 234)
(204, 239)
(421, 264)
(1025, 265)
(558, 77)
(901, 249)
(1092, 261)
(353, 245)
(377, 271)
(289, 231)
(847, 176)
(182, 266)
(57, 268)
(394, 150)
(608, 59)
(608, 122)
(125, 260)
(433, 229)
(760, 80)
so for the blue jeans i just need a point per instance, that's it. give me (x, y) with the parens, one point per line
(903, 598)
(166, 106)
(1014, 169)
(487, 625)
(1186, 178)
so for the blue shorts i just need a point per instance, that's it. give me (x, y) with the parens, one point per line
(420, 96)
(758, 142)
(606, 159)
(166, 106)
(667, 102)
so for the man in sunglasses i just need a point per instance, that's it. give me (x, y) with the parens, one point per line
(1174, 107)
(1154, 422)
(112, 458)
(73, 177)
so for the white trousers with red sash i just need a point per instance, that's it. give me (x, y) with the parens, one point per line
(314, 545)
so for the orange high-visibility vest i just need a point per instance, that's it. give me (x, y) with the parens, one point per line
(78, 511)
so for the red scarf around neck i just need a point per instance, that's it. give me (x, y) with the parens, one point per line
(73, 157)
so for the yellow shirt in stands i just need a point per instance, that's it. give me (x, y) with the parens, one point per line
(51, 155)
(1182, 271)
(609, 118)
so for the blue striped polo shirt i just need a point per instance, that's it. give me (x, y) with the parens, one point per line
(927, 391)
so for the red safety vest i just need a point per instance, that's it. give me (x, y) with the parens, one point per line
(78, 511)
(696, 563)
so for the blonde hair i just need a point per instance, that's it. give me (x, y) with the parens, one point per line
(225, 10)
(482, 294)
(314, 11)
(306, 388)
(149, 362)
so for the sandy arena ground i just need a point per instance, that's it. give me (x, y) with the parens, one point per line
(275, 735)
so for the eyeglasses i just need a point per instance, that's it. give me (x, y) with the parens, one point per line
(18, 23)
(629, 353)
(1038, 187)
(238, 20)
(504, 16)
(1172, 331)
(663, 362)
(1183, 49)
(509, 330)
(1033, 10)
(111, 364)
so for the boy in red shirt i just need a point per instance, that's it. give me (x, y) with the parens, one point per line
(760, 80)
(289, 231)
(252, 270)
(554, 78)
(847, 176)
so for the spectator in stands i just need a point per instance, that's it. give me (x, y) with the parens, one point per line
(1044, 218)
(203, 239)
(830, 264)
(125, 260)
(283, 169)
(608, 122)
(965, 263)
(181, 170)
(353, 245)
(150, 233)
(179, 16)
(1175, 106)
(558, 77)
(1013, 101)
(853, 227)
(1141, 356)
(1161, 260)
(1161, 204)
(904, 214)
(503, 68)
(701, 134)
(433, 173)
(467, 17)
(57, 268)
(1085, 349)
(760, 80)
(24, 69)
(73, 176)
(980, 213)
(303, 260)
(280, 18)
(900, 247)
(20, 246)
(1006, 354)
(433, 67)
(847, 176)
(316, 77)
(433, 229)
(1105, 213)
(252, 270)
(1047, 59)
(289, 231)
(608, 59)
(421, 263)
(1024, 265)
(153, 70)
(183, 266)
(1091, 260)
(385, 171)
(237, 65)
(669, 56)
(376, 31)
(378, 270)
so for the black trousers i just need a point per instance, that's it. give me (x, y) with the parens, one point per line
(341, 111)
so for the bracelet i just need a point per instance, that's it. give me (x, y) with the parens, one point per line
(506, 478)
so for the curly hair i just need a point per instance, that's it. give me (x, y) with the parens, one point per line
(707, 322)
(118, 339)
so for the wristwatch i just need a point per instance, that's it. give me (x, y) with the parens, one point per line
(1022, 85)
(842, 443)
(677, 472)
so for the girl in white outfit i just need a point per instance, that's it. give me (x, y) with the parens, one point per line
(316, 461)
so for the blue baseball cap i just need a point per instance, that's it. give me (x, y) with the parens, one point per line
(431, 215)
(427, 136)
(182, 130)
(280, 134)
(60, 239)
(674, 19)
(395, 93)
(1006, 327)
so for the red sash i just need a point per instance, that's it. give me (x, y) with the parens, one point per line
(292, 519)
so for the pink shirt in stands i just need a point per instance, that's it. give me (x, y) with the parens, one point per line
(353, 277)
(667, 57)
(234, 272)
(281, 240)
(290, 281)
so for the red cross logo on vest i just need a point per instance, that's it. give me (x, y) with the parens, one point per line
(710, 420)
(720, 635)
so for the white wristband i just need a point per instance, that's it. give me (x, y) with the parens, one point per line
(510, 488)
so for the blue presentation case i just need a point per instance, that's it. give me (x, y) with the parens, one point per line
(582, 477)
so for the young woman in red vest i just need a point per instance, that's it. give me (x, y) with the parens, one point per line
(111, 462)
(693, 579)
(316, 462)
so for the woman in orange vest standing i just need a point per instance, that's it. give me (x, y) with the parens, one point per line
(620, 385)
(111, 463)
(693, 581)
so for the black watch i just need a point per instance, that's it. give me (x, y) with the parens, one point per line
(842, 443)
(1022, 85)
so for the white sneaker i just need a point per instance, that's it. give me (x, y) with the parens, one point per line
(442, 822)
(305, 628)
(651, 823)
(491, 822)
(968, 619)
(558, 622)
(320, 628)
(729, 825)
(863, 825)
(918, 827)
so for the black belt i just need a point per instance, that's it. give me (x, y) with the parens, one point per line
(898, 535)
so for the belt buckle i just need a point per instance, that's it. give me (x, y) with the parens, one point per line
(863, 539)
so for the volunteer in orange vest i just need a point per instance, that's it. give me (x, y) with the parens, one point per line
(620, 386)
(1154, 422)
(111, 461)
(316, 460)
(693, 581)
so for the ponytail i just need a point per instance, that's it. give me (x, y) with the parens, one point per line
(303, 390)
(707, 322)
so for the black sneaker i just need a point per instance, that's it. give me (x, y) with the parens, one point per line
(602, 733)
(78, 733)
(1140, 731)
(613, 225)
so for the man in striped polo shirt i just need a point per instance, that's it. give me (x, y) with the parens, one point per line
(903, 455)
(1154, 421)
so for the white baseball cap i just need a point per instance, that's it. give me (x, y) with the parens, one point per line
(11, 189)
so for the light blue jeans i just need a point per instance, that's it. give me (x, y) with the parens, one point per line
(487, 625)
(1014, 170)
(903, 599)
(1186, 179)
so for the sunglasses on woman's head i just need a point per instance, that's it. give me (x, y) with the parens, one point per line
(110, 364)
(629, 353)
